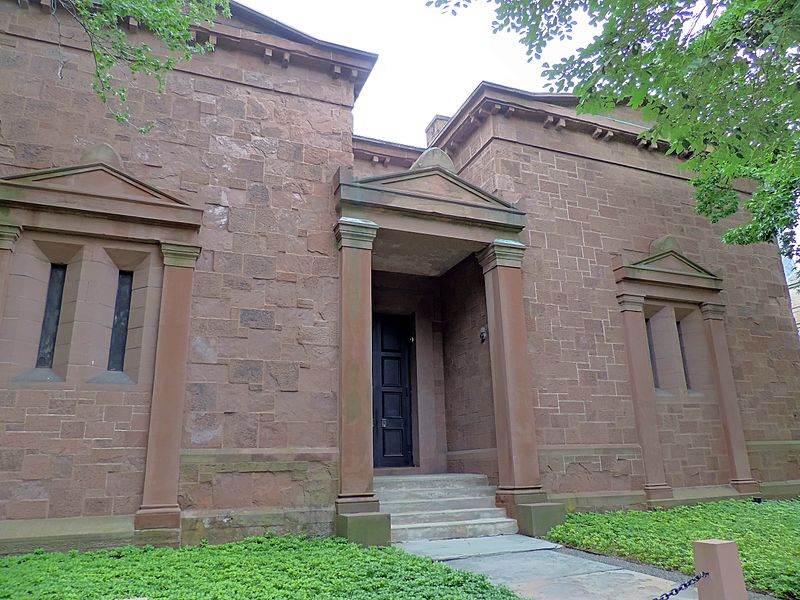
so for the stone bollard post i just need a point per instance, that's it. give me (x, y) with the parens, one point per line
(725, 580)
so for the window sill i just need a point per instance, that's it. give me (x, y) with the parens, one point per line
(112, 378)
(38, 375)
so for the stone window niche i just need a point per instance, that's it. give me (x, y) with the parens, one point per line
(41, 342)
(128, 253)
(76, 346)
(678, 348)
(682, 386)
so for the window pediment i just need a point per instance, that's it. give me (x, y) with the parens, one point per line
(669, 268)
(98, 190)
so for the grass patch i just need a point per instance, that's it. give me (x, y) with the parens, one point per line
(268, 567)
(768, 536)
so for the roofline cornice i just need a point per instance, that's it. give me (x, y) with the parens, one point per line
(491, 99)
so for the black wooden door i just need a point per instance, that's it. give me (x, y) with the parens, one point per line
(391, 391)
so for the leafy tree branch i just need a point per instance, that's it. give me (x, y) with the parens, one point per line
(720, 80)
(168, 21)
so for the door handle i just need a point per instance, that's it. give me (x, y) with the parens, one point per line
(383, 423)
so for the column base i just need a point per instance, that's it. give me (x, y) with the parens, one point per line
(535, 520)
(746, 486)
(366, 503)
(510, 498)
(366, 529)
(658, 491)
(158, 516)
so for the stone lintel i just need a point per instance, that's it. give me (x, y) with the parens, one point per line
(355, 233)
(180, 255)
(502, 253)
(9, 234)
(630, 302)
(712, 311)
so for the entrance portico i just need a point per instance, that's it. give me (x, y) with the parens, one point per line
(424, 222)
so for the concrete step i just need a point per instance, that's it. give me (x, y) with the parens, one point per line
(420, 482)
(450, 529)
(444, 516)
(453, 503)
(472, 491)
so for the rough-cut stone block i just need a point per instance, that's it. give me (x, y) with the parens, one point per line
(536, 520)
(367, 529)
(256, 318)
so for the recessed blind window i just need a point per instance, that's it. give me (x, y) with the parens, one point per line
(652, 350)
(683, 356)
(52, 314)
(119, 328)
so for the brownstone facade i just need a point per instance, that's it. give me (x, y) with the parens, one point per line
(542, 269)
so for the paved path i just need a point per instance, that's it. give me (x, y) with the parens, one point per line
(538, 569)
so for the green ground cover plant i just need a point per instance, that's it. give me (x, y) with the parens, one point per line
(267, 567)
(768, 536)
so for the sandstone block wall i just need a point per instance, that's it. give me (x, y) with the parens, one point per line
(587, 202)
(255, 146)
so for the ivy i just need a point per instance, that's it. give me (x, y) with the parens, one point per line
(285, 567)
(767, 534)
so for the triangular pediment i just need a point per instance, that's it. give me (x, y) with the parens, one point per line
(435, 183)
(669, 268)
(98, 190)
(673, 262)
(97, 179)
(430, 193)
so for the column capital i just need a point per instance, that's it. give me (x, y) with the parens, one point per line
(630, 303)
(180, 255)
(9, 234)
(355, 233)
(502, 253)
(711, 311)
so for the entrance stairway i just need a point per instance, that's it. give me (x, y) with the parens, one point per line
(440, 507)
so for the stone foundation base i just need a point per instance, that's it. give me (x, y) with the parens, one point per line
(367, 529)
(222, 526)
(536, 520)
(60, 535)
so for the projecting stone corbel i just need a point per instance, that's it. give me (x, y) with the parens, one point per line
(602, 134)
(555, 123)
(336, 71)
(268, 55)
(285, 60)
(132, 24)
(23, 4)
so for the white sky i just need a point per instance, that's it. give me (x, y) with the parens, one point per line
(428, 62)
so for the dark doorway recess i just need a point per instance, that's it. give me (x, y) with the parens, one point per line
(392, 339)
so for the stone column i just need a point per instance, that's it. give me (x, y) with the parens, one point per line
(354, 238)
(160, 508)
(643, 394)
(9, 234)
(517, 452)
(357, 516)
(725, 388)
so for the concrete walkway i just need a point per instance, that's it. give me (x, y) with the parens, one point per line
(538, 569)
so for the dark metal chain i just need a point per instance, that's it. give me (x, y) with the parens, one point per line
(685, 585)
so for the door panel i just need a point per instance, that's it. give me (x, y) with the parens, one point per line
(391, 391)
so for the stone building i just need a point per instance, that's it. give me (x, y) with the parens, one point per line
(248, 318)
